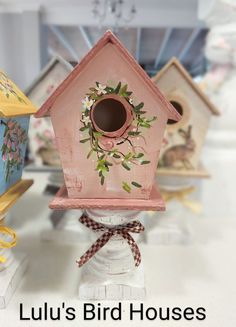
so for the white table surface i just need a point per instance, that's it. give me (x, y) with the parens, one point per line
(201, 274)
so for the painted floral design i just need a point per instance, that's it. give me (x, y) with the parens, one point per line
(14, 136)
(7, 88)
(107, 150)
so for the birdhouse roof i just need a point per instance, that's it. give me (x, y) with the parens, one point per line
(13, 102)
(183, 72)
(47, 69)
(109, 37)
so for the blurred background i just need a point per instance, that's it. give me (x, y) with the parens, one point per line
(32, 31)
(201, 34)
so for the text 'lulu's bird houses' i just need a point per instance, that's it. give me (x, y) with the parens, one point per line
(184, 139)
(15, 110)
(109, 120)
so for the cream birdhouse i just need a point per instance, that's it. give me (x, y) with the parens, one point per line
(183, 141)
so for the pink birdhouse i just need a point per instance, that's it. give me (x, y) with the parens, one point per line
(109, 120)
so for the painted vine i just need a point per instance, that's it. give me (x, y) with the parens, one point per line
(107, 157)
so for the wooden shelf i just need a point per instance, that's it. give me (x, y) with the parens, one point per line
(13, 194)
(201, 172)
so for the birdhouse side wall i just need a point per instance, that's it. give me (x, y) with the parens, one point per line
(13, 140)
(184, 140)
(127, 177)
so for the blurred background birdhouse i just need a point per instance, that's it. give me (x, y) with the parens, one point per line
(43, 150)
(182, 146)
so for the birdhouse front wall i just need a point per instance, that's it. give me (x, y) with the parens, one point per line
(183, 140)
(13, 139)
(105, 151)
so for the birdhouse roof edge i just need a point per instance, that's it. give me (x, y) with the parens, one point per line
(174, 61)
(45, 70)
(106, 38)
(13, 101)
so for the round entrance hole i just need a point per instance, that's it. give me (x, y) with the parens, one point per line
(179, 108)
(111, 115)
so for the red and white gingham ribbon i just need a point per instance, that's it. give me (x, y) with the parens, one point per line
(123, 230)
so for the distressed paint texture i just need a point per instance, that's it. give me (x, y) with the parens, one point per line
(81, 178)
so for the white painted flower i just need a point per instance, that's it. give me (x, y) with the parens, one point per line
(86, 120)
(87, 103)
(131, 101)
(101, 89)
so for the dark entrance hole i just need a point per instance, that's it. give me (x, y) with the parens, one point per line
(109, 115)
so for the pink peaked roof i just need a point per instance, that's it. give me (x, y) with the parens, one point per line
(108, 37)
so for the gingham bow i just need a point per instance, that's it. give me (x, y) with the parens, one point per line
(123, 230)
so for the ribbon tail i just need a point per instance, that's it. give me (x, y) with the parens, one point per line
(100, 242)
(134, 227)
(192, 205)
(134, 248)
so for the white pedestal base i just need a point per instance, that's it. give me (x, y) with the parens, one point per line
(11, 277)
(111, 273)
(128, 286)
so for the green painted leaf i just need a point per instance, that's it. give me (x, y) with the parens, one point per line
(117, 89)
(128, 156)
(90, 153)
(145, 162)
(152, 119)
(95, 97)
(139, 155)
(125, 165)
(108, 163)
(82, 129)
(139, 106)
(85, 140)
(102, 157)
(116, 156)
(97, 133)
(109, 89)
(123, 89)
(136, 184)
(126, 187)
(134, 133)
(145, 125)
